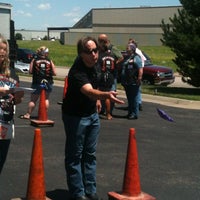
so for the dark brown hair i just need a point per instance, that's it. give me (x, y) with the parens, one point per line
(81, 44)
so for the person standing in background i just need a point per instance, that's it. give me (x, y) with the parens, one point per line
(80, 109)
(42, 70)
(143, 58)
(106, 49)
(131, 78)
(8, 99)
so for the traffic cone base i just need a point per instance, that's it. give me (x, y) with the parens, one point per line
(141, 196)
(46, 198)
(37, 122)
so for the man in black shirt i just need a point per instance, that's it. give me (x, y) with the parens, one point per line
(80, 109)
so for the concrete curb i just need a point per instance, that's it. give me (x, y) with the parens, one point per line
(167, 101)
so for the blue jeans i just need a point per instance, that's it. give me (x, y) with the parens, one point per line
(140, 95)
(132, 94)
(80, 153)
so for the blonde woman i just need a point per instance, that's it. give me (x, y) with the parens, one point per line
(42, 70)
(8, 99)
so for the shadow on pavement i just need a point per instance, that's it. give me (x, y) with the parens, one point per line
(58, 194)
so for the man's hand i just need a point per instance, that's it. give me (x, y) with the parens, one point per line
(113, 97)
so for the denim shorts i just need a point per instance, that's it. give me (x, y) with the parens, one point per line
(38, 88)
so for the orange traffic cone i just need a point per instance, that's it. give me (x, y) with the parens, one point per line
(36, 181)
(42, 112)
(65, 86)
(131, 185)
(64, 90)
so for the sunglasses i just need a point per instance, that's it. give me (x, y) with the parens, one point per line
(90, 51)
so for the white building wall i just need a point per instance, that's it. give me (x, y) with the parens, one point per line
(34, 34)
(130, 16)
(5, 17)
(31, 34)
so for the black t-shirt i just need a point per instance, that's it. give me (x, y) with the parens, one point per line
(75, 102)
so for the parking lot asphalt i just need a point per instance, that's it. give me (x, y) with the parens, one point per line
(168, 152)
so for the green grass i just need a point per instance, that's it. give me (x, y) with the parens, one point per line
(161, 56)
(64, 55)
(192, 94)
(176, 92)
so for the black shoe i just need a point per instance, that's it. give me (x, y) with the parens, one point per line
(140, 107)
(92, 196)
(132, 117)
(80, 198)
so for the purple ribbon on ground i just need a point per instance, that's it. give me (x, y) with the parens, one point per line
(164, 115)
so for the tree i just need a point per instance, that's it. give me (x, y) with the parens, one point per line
(182, 35)
(192, 6)
(18, 36)
(45, 37)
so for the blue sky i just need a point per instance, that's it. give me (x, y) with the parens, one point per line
(40, 14)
